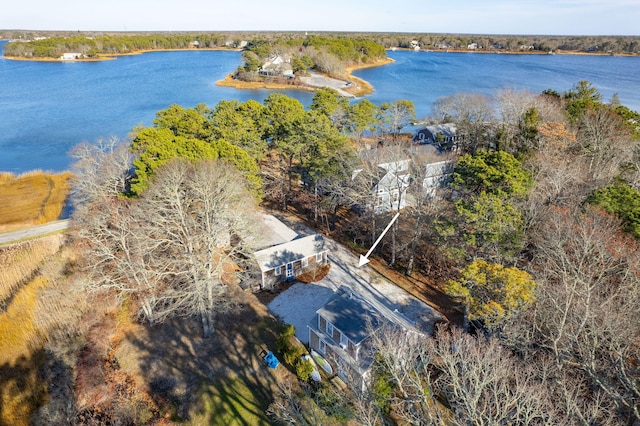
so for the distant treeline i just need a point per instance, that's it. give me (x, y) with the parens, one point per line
(512, 43)
(93, 43)
(92, 46)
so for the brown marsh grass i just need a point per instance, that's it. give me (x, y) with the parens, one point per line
(41, 313)
(18, 332)
(19, 262)
(32, 198)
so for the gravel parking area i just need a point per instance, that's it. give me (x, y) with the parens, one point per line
(318, 80)
(297, 305)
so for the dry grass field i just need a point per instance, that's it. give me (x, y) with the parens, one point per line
(31, 307)
(21, 261)
(32, 198)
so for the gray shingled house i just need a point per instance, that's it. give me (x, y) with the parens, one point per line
(286, 261)
(340, 332)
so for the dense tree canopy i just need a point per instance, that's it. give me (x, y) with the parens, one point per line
(493, 172)
(184, 133)
(623, 201)
(492, 291)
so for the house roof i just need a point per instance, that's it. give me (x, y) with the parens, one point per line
(273, 232)
(350, 314)
(290, 251)
(446, 129)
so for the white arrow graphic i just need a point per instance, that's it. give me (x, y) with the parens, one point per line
(363, 259)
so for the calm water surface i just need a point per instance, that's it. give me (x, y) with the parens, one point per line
(423, 77)
(47, 108)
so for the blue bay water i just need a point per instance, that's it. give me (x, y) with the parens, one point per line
(48, 107)
(423, 77)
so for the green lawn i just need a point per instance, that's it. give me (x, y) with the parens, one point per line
(234, 402)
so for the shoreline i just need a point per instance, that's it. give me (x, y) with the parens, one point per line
(510, 52)
(113, 56)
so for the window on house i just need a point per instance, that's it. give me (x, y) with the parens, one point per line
(322, 347)
(319, 258)
(278, 270)
(344, 341)
(305, 262)
(329, 329)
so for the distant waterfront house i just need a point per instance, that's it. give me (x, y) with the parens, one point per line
(276, 66)
(71, 56)
(286, 261)
(441, 135)
(387, 173)
(340, 332)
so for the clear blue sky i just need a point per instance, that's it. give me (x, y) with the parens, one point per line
(558, 17)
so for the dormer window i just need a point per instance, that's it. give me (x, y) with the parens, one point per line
(329, 329)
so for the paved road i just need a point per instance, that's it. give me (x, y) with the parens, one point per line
(34, 231)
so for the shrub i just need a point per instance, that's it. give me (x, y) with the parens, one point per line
(288, 330)
(304, 369)
(293, 354)
(289, 346)
(383, 387)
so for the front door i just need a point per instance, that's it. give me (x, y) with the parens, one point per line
(289, 271)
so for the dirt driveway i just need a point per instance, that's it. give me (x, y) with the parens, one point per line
(297, 305)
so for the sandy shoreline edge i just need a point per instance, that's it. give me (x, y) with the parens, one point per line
(359, 89)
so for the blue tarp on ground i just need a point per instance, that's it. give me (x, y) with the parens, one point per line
(271, 360)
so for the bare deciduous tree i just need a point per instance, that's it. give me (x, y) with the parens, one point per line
(512, 105)
(297, 407)
(176, 249)
(587, 314)
(472, 113)
(604, 143)
(480, 382)
(102, 169)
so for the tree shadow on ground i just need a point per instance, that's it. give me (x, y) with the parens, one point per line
(36, 390)
(213, 380)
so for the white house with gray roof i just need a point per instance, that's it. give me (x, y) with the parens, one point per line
(286, 261)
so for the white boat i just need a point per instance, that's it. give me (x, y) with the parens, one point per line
(315, 374)
(323, 363)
